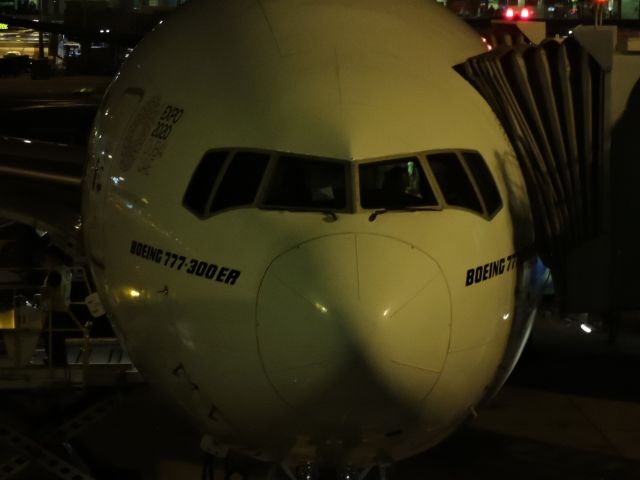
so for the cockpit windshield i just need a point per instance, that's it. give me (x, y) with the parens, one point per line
(395, 184)
(244, 178)
(305, 183)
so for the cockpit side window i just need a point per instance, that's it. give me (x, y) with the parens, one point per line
(241, 180)
(306, 183)
(453, 181)
(198, 195)
(395, 184)
(484, 180)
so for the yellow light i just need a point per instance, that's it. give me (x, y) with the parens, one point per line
(586, 328)
(8, 320)
(134, 293)
(321, 308)
(4, 26)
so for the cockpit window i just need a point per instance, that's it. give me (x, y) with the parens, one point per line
(306, 183)
(453, 181)
(198, 194)
(241, 180)
(395, 184)
(238, 178)
(484, 180)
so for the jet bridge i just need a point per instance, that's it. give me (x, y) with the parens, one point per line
(580, 163)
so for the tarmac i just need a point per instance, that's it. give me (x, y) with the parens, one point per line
(525, 432)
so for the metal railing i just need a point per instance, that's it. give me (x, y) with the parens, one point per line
(42, 337)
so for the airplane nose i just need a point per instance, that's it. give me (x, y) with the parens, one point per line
(353, 325)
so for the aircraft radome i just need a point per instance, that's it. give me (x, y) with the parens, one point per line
(305, 225)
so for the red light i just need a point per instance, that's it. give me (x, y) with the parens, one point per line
(524, 13)
(509, 13)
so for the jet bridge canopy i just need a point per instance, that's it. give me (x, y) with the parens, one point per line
(553, 101)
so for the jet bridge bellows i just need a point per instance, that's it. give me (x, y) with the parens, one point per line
(553, 102)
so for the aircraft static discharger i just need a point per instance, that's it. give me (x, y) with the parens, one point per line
(309, 230)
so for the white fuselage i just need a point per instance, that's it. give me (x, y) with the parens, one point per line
(296, 334)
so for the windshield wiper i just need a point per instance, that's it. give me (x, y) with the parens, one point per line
(375, 214)
(328, 213)
(380, 211)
